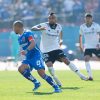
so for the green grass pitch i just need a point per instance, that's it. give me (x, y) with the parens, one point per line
(14, 87)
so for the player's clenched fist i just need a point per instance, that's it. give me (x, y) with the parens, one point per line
(23, 52)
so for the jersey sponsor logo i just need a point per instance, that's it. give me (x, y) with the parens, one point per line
(24, 44)
(53, 35)
(90, 31)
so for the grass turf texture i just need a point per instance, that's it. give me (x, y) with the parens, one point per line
(14, 87)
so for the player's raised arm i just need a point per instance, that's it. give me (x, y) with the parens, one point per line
(37, 28)
(30, 47)
(32, 43)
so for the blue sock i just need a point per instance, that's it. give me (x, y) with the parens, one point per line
(49, 80)
(29, 76)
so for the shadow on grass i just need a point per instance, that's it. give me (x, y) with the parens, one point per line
(50, 93)
(41, 93)
(71, 88)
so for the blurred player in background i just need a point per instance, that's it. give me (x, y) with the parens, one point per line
(91, 32)
(51, 39)
(14, 45)
(33, 57)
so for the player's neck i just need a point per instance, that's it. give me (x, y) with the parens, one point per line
(53, 25)
(21, 32)
(88, 24)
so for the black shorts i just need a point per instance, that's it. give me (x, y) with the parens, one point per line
(53, 56)
(92, 51)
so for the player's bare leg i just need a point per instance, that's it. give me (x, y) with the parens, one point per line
(73, 68)
(88, 67)
(25, 71)
(52, 72)
(49, 80)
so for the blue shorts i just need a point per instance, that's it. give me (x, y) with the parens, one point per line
(36, 62)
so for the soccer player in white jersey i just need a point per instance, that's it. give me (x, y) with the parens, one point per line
(51, 39)
(91, 32)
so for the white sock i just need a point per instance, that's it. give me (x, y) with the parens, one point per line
(88, 68)
(52, 72)
(75, 69)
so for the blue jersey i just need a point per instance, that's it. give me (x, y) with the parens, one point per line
(33, 56)
(25, 40)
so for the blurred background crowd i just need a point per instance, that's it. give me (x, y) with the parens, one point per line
(68, 11)
(70, 14)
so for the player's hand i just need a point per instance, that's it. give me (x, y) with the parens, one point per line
(23, 52)
(61, 42)
(43, 28)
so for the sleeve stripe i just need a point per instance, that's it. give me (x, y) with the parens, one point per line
(30, 38)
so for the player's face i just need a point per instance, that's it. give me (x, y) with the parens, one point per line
(88, 20)
(52, 19)
(17, 29)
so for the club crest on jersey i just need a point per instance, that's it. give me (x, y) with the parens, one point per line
(23, 39)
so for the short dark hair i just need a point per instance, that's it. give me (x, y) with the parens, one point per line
(88, 15)
(18, 23)
(52, 13)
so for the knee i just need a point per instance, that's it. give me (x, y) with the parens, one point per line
(20, 69)
(41, 73)
(49, 64)
(52, 73)
(43, 76)
(65, 60)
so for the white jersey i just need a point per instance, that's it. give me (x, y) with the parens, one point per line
(91, 35)
(50, 37)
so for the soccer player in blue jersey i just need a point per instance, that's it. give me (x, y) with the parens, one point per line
(33, 57)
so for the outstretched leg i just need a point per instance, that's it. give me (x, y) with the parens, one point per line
(52, 72)
(73, 68)
(49, 80)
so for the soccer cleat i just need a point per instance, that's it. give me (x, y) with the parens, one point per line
(59, 85)
(57, 89)
(36, 86)
(90, 79)
(83, 77)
